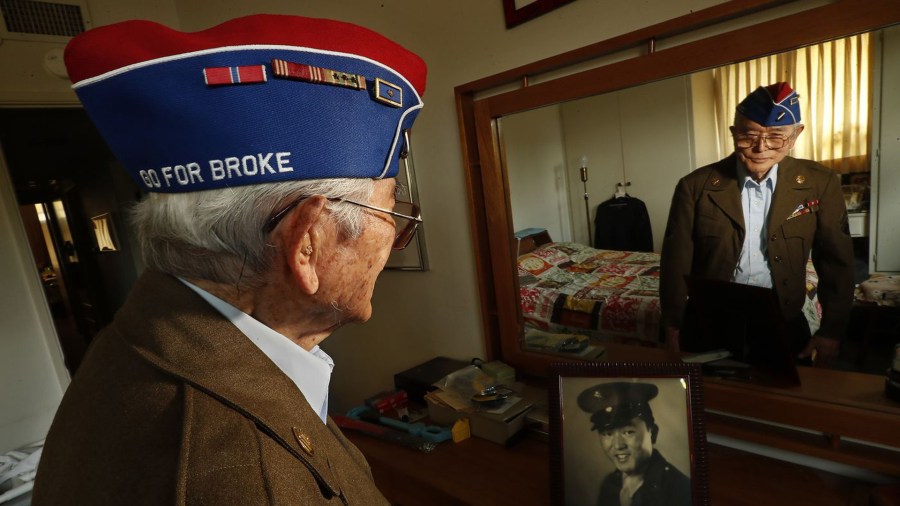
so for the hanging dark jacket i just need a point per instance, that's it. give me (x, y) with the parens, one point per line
(623, 223)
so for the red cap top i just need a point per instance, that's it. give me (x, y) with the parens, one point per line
(138, 41)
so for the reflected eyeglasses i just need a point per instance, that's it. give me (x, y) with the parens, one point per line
(744, 141)
(409, 213)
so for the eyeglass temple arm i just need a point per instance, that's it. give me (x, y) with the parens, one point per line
(416, 219)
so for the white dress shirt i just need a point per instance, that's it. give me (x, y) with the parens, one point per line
(756, 200)
(309, 370)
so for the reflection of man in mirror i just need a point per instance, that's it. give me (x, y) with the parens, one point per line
(754, 218)
(621, 414)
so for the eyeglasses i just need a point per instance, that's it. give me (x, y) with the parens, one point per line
(407, 217)
(744, 141)
(407, 213)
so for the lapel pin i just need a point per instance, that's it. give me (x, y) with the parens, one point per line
(715, 181)
(801, 179)
(304, 440)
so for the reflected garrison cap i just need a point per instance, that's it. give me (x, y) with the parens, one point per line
(615, 404)
(774, 105)
(257, 99)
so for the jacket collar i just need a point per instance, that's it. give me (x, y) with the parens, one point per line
(184, 336)
(723, 187)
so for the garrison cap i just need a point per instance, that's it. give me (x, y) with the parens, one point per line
(615, 404)
(774, 105)
(257, 99)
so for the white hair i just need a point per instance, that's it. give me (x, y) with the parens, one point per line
(218, 235)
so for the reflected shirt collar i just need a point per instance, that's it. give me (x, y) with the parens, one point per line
(743, 176)
(309, 370)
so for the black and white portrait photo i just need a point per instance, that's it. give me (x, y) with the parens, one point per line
(626, 440)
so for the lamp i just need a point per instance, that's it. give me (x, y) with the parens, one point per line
(587, 206)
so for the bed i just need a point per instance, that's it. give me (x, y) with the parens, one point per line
(606, 295)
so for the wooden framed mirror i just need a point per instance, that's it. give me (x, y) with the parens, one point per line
(730, 32)
(724, 34)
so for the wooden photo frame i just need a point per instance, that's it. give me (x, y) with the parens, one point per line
(104, 233)
(517, 12)
(608, 419)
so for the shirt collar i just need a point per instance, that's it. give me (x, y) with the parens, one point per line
(743, 175)
(309, 370)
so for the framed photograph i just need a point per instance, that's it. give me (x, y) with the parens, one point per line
(413, 257)
(104, 233)
(631, 430)
(520, 11)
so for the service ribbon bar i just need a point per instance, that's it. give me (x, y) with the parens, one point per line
(309, 73)
(217, 76)
(805, 208)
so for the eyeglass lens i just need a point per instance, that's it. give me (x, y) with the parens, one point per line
(771, 142)
(406, 228)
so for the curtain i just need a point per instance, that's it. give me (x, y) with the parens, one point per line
(833, 81)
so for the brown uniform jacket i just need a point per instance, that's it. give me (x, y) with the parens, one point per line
(174, 405)
(705, 233)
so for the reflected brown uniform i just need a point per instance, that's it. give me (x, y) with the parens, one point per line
(174, 405)
(705, 233)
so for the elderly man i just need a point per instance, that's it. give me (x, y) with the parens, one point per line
(621, 415)
(270, 146)
(753, 218)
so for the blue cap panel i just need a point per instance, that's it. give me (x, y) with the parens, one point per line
(223, 118)
(773, 105)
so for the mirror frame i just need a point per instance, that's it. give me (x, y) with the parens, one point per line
(486, 179)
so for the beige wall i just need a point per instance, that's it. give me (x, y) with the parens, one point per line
(640, 136)
(417, 315)
(539, 177)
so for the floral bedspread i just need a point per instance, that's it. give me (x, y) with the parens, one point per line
(605, 294)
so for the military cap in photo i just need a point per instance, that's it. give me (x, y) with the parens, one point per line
(774, 105)
(257, 99)
(615, 404)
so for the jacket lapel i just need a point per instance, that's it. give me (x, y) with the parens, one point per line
(189, 339)
(722, 188)
(793, 189)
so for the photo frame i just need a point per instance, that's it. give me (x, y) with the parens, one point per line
(104, 233)
(413, 257)
(517, 12)
(599, 431)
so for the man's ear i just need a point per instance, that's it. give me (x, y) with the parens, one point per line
(299, 239)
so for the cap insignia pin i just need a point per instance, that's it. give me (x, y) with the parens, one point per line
(388, 93)
(801, 179)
